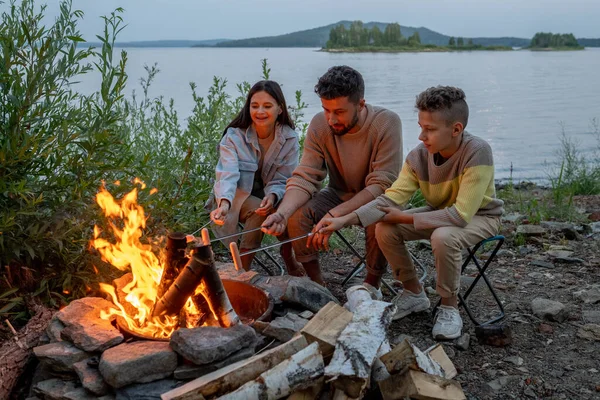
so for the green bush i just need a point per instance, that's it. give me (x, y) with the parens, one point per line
(58, 146)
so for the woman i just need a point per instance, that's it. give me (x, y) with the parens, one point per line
(257, 154)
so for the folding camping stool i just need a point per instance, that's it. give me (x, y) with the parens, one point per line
(462, 299)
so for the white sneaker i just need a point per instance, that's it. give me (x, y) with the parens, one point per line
(408, 303)
(373, 291)
(448, 323)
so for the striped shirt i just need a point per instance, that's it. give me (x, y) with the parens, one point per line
(456, 190)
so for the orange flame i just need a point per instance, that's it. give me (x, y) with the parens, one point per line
(128, 253)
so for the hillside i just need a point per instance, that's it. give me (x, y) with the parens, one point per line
(317, 37)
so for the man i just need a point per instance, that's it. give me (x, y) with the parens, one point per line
(359, 147)
(455, 172)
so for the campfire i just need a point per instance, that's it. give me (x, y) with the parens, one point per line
(167, 291)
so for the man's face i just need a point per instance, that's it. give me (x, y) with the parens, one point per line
(436, 134)
(341, 114)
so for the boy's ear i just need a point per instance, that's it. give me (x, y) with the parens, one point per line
(457, 129)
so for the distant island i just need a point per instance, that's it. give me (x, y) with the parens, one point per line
(359, 38)
(318, 37)
(554, 42)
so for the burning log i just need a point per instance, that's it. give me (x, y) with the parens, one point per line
(175, 260)
(200, 268)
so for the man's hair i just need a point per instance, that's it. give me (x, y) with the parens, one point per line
(341, 81)
(448, 100)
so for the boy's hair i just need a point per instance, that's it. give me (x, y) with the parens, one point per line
(341, 81)
(448, 100)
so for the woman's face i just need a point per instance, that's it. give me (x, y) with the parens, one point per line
(264, 110)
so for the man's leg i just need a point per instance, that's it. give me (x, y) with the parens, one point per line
(251, 220)
(376, 262)
(303, 221)
(447, 244)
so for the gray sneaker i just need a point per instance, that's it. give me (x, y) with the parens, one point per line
(448, 323)
(408, 303)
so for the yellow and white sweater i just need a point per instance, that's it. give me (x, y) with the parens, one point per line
(462, 186)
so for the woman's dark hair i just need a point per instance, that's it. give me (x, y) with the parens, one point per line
(244, 120)
(341, 81)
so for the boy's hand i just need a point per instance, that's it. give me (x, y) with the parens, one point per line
(275, 224)
(395, 216)
(266, 206)
(323, 231)
(219, 214)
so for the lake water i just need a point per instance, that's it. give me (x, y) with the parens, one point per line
(519, 101)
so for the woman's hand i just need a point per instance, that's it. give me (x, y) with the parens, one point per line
(219, 214)
(323, 231)
(266, 206)
(394, 215)
(275, 224)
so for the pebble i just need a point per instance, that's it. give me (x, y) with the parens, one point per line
(462, 343)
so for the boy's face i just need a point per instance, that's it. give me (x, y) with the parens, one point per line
(437, 135)
(342, 115)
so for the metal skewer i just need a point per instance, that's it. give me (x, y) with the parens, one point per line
(236, 234)
(277, 244)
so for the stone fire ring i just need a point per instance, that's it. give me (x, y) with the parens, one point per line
(250, 302)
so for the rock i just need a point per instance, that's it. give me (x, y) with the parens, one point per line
(594, 216)
(306, 314)
(569, 260)
(559, 253)
(498, 335)
(296, 290)
(137, 362)
(595, 227)
(549, 309)
(590, 332)
(531, 230)
(90, 376)
(535, 275)
(467, 281)
(592, 316)
(512, 218)
(516, 360)
(147, 391)
(282, 328)
(588, 296)
(84, 327)
(498, 384)
(545, 328)
(60, 356)
(192, 371)
(543, 264)
(54, 329)
(205, 345)
(57, 389)
(462, 343)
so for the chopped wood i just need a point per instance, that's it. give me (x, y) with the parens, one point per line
(405, 356)
(297, 372)
(310, 393)
(340, 395)
(356, 295)
(235, 375)
(14, 357)
(438, 355)
(422, 386)
(326, 326)
(357, 346)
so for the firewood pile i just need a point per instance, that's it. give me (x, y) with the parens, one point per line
(342, 351)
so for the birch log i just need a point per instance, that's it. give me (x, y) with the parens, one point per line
(296, 373)
(357, 346)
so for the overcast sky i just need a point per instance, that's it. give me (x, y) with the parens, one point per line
(234, 19)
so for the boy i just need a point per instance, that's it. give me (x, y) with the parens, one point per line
(455, 172)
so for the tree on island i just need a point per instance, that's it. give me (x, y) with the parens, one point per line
(542, 40)
(460, 42)
(451, 42)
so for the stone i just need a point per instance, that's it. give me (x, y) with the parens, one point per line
(90, 376)
(147, 391)
(588, 296)
(462, 343)
(60, 356)
(192, 371)
(498, 384)
(137, 362)
(592, 316)
(559, 253)
(512, 218)
(282, 328)
(498, 335)
(569, 260)
(300, 291)
(58, 389)
(590, 332)
(530, 230)
(207, 344)
(515, 360)
(594, 216)
(543, 264)
(306, 314)
(54, 329)
(84, 327)
(549, 309)
(595, 227)
(545, 328)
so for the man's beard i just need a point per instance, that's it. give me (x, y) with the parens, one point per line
(346, 128)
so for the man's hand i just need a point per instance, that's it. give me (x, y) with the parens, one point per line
(219, 214)
(394, 215)
(275, 224)
(266, 206)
